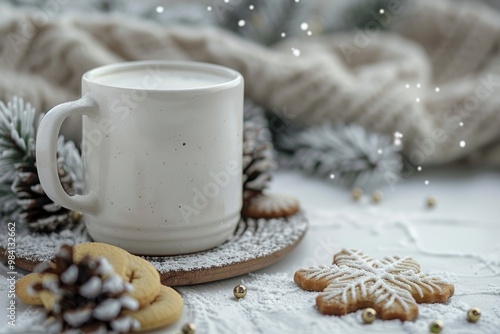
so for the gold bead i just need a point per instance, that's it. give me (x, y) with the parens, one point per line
(76, 216)
(189, 328)
(369, 315)
(377, 196)
(436, 326)
(357, 193)
(473, 314)
(240, 291)
(431, 201)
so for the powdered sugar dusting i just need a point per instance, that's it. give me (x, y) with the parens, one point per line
(252, 239)
(41, 247)
(274, 303)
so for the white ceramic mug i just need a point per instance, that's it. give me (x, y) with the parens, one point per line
(162, 150)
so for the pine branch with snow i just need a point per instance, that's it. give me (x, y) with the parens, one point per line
(17, 145)
(21, 195)
(345, 153)
(258, 153)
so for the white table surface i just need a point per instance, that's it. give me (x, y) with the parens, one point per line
(459, 239)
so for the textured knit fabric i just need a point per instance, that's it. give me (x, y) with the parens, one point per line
(447, 54)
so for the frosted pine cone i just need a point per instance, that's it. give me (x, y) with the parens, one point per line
(40, 213)
(258, 161)
(86, 297)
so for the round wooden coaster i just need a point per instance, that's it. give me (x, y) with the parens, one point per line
(254, 245)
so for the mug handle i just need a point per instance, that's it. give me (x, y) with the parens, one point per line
(46, 154)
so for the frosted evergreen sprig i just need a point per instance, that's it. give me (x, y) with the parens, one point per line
(17, 145)
(17, 135)
(345, 153)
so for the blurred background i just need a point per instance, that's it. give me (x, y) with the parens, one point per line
(359, 92)
(266, 17)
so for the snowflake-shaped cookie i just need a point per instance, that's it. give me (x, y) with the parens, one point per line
(392, 286)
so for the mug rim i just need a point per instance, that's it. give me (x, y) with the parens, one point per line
(234, 78)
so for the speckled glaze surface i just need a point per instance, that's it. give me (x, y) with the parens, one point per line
(162, 155)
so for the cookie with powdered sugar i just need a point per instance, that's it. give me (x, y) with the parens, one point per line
(392, 286)
(270, 206)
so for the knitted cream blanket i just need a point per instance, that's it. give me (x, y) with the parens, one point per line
(437, 81)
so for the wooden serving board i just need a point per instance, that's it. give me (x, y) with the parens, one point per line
(254, 245)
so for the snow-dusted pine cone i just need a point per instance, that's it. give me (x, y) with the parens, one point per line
(258, 161)
(85, 297)
(257, 115)
(39, 212)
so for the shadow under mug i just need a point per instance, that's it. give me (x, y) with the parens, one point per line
(162, 151)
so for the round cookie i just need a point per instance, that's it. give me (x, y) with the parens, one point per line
(144, 278)
(25, 291)
(47, 297)
(165, 309)
(116, 256)
(271, 206)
